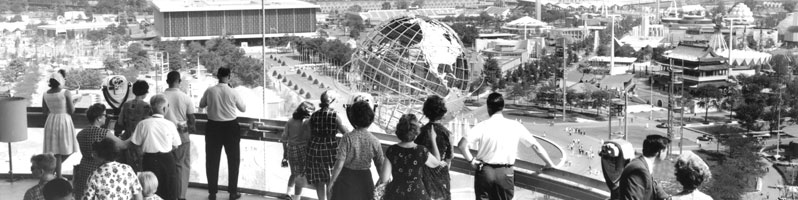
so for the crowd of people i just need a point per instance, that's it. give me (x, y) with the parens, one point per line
(636, 180)
(415, 168)
(144, 153)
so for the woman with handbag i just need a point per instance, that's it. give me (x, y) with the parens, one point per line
(406, 160)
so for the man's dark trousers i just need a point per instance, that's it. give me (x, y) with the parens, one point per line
(217, 135)
(494, 182)
(164, 167)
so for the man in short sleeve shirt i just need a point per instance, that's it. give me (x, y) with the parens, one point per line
(496, 140)
(180, 112)
(157, 138)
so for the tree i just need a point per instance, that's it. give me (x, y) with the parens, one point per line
(707, 94)
(17, 8)
(221, 52)
(82, 79)
(402, 4)
(781, 65)
(492, 72)
(468, 33)
(788, 6)
(751, 4)
(600, 99)
(354, 21)
(386, 5)
(625, 51)
(14, 70)
(418, 3)
(719, 10)
(735, 172)
(193, 52)
(16, 18)
(112, 63)
(96, 36)
(354, 8)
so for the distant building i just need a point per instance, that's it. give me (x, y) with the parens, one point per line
(203, 20)
(694, 65)
(381, 16)
(498, 12)
(601, 65)
(328, 6)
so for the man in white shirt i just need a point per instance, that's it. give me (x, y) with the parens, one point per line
(222, 130)
(181, 112)
(157, 137)
(497, 139)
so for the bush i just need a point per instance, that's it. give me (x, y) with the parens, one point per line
(321, 85)
(315, 82)
(274, 73)
(296, 87)
(290, 84)
(298, 71)
(310, 78)
(307, 96)
(279, 76)
(283, 64)
(271, 56)
(285, 80)
(302, 91)
(304, 75)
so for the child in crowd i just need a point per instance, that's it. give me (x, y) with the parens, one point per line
(42, 166)
(58, 189)
(149, 184)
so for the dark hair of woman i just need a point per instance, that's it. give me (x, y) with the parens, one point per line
(303, 111)
(94, 112)
(141, 87)
(434, 108)
(106, 149)
(408, 128)
(54, 84)
(360, 114)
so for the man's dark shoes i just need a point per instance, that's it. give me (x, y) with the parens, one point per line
(212, 197)
(235, 196)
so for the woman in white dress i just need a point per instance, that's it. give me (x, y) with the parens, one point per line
(59, 131)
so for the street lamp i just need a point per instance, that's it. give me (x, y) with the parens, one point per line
(778, 115)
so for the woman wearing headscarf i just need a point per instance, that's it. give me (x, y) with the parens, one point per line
(59, 131)
(322, 148)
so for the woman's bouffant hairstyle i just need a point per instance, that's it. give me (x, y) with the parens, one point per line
(141, 87)
(408, 128)
(95, 111)
(691, 171)
(303, 111)
(360, 114)
(434, 107)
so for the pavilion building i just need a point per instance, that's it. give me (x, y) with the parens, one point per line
(693, 65)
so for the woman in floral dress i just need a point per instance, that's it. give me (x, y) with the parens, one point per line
(434, 109)
(406, 161)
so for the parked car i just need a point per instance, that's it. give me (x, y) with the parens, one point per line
(706, 137)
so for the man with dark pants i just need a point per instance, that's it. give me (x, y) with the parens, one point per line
(222, 130)
(180, 112)
(157, 138)
(494, 161)
(636, 181)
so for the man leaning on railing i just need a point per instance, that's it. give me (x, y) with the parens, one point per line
(494, 176)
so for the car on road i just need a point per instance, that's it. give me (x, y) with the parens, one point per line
(706, 137)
